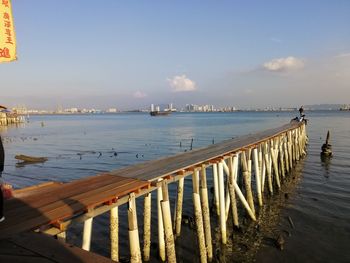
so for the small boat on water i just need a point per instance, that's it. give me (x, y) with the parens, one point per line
(159, 113)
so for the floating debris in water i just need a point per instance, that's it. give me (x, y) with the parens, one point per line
(291, 222)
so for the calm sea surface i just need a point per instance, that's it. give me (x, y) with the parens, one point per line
(317, 197)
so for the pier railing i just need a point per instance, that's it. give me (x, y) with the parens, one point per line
(262, 161)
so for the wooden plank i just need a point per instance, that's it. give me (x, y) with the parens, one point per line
(48, 186)
(32, 218)
(49, 248)
(66, 191)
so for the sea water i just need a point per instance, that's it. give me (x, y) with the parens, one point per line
(83, 145)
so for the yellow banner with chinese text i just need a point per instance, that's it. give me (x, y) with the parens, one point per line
(7, 33)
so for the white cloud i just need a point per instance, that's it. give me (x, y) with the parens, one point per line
(181, 83)
(275, 39)
(139, 94)
(343, 55)
(284, 64)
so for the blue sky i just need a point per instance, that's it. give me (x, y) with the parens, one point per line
(128, 54)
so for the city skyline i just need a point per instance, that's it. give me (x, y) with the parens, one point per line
(129, 55)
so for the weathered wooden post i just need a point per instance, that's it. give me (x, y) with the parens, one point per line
(168, 228)
(233, 162)
(257, 175)
(216, 188)
(114, 233)
(87, 234)
(268, 164)
(222, 202)
(198, 217)
(247, 181)
(206, 212)
(147, 227)
(161, 241)
(134, 242)
(179, 203)
(275, 166)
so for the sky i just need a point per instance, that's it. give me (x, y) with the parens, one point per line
(129, 54)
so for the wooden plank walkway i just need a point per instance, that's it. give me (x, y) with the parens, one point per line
(51, 204)
(153, 170)
(54, 202)
(40, 248)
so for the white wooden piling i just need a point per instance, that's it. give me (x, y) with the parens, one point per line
(286, 156)
(114, 233)
(262, 168)
(168, 228)
(179, 203)
(134, 242)
(147, 227)
(161, 241)
(282, 160)
(244, 201)
(267, 159)
(257, 175)
(247, 181)
(233, 165)
(222, 202)
(87, 234)
(206, 212)
(216, 188)
(199, 217)
(227, 198)
(275, 167)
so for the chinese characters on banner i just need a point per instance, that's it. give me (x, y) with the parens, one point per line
(7, 33)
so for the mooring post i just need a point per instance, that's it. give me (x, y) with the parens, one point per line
(206, 211)
(222, 202)
(114, 233)
(161, 241)
(87, 234)
(134, 242)
(233, 162)
(216, 188)
(147, 227)
(168, 228)
(179, 203)
(257, 175)
(198, 217)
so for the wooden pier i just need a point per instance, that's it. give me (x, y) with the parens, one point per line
(10, 118)
(262, 160)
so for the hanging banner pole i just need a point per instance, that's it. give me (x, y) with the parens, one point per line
(7, 33)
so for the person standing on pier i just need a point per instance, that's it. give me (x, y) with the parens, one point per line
(301, 111)
(2, 160)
